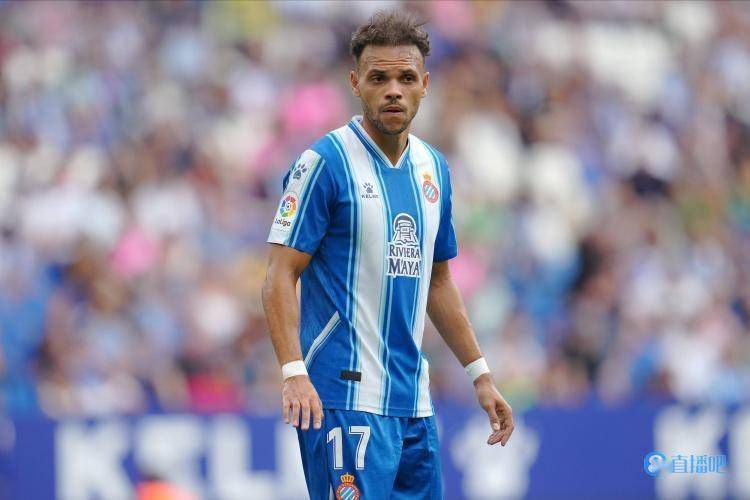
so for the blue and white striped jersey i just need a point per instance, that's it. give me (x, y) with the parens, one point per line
(373, 230)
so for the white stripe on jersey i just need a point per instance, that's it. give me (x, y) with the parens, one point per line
(424, 407)
(369, 291)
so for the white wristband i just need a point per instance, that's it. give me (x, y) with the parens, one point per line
(477, 368)
(293, 368)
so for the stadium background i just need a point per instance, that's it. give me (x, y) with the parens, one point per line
(601, 164)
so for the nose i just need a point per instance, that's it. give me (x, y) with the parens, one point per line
(393, 92)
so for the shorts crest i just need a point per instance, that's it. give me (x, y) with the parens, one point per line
(347, 490)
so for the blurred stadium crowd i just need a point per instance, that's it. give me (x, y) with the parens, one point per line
(600, 155)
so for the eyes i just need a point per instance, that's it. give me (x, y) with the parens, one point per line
(380, 78)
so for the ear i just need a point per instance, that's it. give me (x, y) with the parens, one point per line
(354, 80)
(425, 82)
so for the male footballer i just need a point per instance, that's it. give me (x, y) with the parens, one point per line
(365, 222)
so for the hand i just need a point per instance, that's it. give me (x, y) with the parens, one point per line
(499, 411)
(299, 399)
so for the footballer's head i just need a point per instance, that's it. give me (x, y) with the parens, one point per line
(389, 74)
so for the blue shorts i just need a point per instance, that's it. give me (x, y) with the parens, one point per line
(358, 455)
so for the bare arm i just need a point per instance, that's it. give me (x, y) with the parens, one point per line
(448, 313)
(285, 266)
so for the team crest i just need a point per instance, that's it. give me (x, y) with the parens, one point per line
(404, 254)
(347, 490)
(429, 189)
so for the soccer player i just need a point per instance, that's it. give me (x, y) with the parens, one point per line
(365, 222)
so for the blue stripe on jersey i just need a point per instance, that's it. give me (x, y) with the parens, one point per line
(351, 303)
(317, 169)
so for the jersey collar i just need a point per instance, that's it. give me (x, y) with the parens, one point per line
(364, 137)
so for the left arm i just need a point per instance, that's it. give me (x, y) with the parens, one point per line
(447, 312)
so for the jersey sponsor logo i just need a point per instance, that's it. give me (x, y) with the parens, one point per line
(429, 189)
(368, 192)
(287, 211)
(404, 255)
(347, 490)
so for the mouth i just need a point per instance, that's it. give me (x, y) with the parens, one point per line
(393, 110)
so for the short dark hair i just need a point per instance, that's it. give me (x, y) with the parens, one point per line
(389, 29)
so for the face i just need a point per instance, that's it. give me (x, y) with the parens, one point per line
(391, 82)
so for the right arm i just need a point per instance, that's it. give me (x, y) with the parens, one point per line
(299, 397)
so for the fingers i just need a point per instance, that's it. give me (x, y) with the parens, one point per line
(317, 411)
(305, 414)
(503, 427)
(494, 423)
(494, 438)
(508, 426)
(295, 412)
(494, 419)
(506, 435)
(300, 401)
(312, 407)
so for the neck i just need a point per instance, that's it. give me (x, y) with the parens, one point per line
(392, 145)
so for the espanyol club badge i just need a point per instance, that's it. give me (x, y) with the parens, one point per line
(347, 490)
(429, 189)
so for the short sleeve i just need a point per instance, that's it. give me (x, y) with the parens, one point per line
(303, 215)
(446, 246)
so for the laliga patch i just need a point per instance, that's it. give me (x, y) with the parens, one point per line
(287, 210)
(429, 189)
(347, 490)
